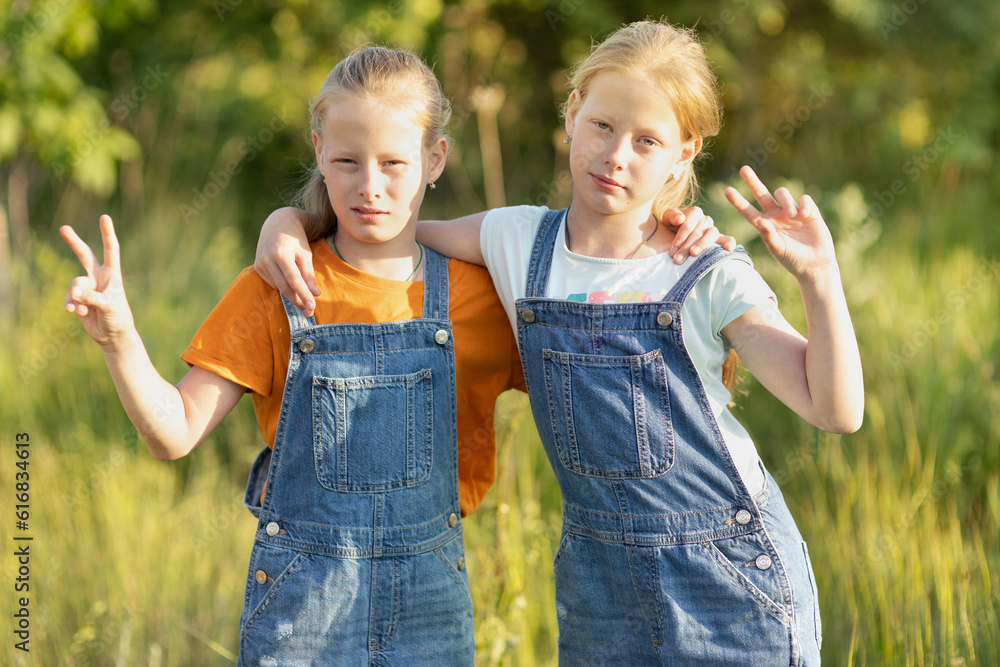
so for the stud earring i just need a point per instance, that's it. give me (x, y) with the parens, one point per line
(432, 186)
(566, 140)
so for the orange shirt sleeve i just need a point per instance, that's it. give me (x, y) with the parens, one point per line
(235, 341)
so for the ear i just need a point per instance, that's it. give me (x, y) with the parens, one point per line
(572, 108)
(689, 150)
(318, 147)
(436, 157)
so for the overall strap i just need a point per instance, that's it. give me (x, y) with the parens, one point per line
(705, 263)
(541, 254)
(435, 285)
(296, 320)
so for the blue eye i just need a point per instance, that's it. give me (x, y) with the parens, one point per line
(602, 125)
(646, 141)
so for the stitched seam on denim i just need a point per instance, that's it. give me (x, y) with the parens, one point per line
(636, 571)
(394, 602)
(563, 547)
(453, 570)
(336, 390)
(817, 627)
(714, 510)
(569, 453)
(279, 583)
(660, 368)
(751, 588)
(561, 451)
(639, 419)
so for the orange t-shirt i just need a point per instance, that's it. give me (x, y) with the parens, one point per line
(245, 339)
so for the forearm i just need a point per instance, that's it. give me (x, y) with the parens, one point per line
(156, 407)
(457, 238)
(832, 360)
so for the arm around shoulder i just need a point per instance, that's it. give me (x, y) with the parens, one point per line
(458, 238)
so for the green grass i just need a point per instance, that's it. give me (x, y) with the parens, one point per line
(137, 562)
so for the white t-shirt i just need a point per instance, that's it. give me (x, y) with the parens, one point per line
(729, 290)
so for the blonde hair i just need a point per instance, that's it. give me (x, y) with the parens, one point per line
(396, 78)
(674, 59)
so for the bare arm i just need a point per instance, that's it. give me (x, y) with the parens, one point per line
(284, 260)
(172, 420)
(458, 238)
(820, 377)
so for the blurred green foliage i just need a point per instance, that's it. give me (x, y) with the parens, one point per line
(125, 99)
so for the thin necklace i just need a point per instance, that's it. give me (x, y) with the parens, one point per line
(634, 252)
(333, 240)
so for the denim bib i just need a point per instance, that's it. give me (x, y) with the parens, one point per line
(662, 542)
(358, 555)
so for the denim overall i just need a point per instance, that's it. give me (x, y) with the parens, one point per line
(665, 556)
(358, 556)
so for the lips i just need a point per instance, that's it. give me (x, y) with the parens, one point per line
(607, 184)
(368, 214)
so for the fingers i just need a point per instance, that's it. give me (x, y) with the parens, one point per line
(808, 207)
(689, 221)
(786, 201)
(745, 208)
(294, 286)
(757, 188)
(82, 296)
(79, 248)
(112, 253)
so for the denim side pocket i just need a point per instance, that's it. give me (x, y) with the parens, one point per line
(815, 593)
(271, 570)
(610, 416)
(373, 434)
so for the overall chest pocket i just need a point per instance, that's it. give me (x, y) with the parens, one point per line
(610, 416)
(373, 434)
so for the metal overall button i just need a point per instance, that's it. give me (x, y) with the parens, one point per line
(260, 576)
(272, 529)
(528, 316)
(664, 318)
(743, 517)
(461, 563)
(307, 345)
(441, 337)
(763, 562)
(452, 520)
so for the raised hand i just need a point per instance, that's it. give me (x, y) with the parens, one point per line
(98, 298)
(794, 232)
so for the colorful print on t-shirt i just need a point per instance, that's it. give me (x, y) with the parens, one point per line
(616, 297)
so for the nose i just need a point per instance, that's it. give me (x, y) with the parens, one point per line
(371, 185)
(615, 153)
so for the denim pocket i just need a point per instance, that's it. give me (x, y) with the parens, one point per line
(452, 556)
(270, 579)
(373, 434)
(610, 416)
(737, 559)
(815, 596)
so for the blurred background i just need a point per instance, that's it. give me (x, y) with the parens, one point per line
(187, 122)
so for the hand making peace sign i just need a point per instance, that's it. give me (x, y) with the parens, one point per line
(99, 297)
(795, 233)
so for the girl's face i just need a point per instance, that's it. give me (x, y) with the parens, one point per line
(626, 143)
(376, 167)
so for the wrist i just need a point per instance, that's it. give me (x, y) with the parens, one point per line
(821, 279)
(121, 343)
